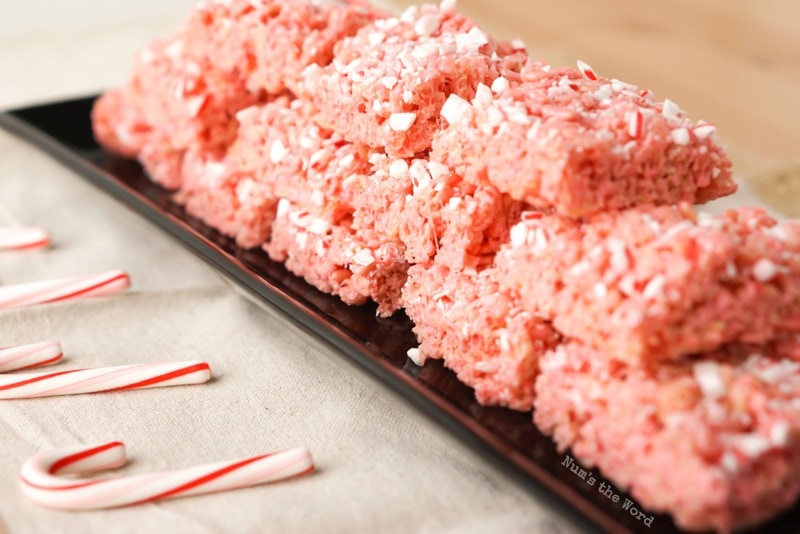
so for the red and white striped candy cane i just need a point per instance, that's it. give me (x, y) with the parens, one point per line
(23, 238)
(124, 377)
(39, 478)
(26, 356)
(75, 287)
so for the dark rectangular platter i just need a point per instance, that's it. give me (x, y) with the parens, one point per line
(506, 438)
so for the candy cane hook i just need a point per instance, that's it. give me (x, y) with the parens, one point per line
(41, 482)
(61, 289)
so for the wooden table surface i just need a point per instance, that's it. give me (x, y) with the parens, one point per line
(730, 62)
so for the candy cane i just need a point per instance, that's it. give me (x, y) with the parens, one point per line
(139, 376)
(39, 478)
(26, 356)
(23, 238)
(61, 289)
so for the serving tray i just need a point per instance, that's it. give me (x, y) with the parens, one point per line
(378, 345)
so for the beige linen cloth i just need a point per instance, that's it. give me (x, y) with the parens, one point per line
(382, 466)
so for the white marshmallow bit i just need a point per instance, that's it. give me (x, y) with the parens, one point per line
(401, 122)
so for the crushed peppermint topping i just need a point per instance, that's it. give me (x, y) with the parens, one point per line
(709, 378)
(471, 41)
(427, 25)
(635, 123)
(398, 168)
(416, 356)
(277, 152)
(401, 122)
(671, 109)
(518, 44)
(701, 131)
(376, 38)
(455, 109)
(500, 84)
(764, 270)
(654, 288)
(779, 433)
(587, 70)
(389, 82)
(752, 445)
(363, 257)
(483, 97)
(680, 136)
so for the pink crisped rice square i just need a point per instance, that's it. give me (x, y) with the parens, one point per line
(386, 85)
(432, 212)
(337, 260)
(268, 43)
(480, 332)
(578, 144)
(657, 282)
(712, 440)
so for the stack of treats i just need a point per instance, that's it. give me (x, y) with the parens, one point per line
(534, 222)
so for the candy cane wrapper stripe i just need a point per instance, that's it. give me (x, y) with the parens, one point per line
(43, 292)
(139, 376)
(40, 482)
(26, 356)
(23, 238)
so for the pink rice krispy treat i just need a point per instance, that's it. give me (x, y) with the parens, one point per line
(656, 283)
(576, 143)
(713, 440)
(118, 124)
(226, 198)
(187, 103)
(281, 147)
(480, 332)
(386, 85)
(268, 43)
(431, 212)
(335, 259)
(279, 153)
